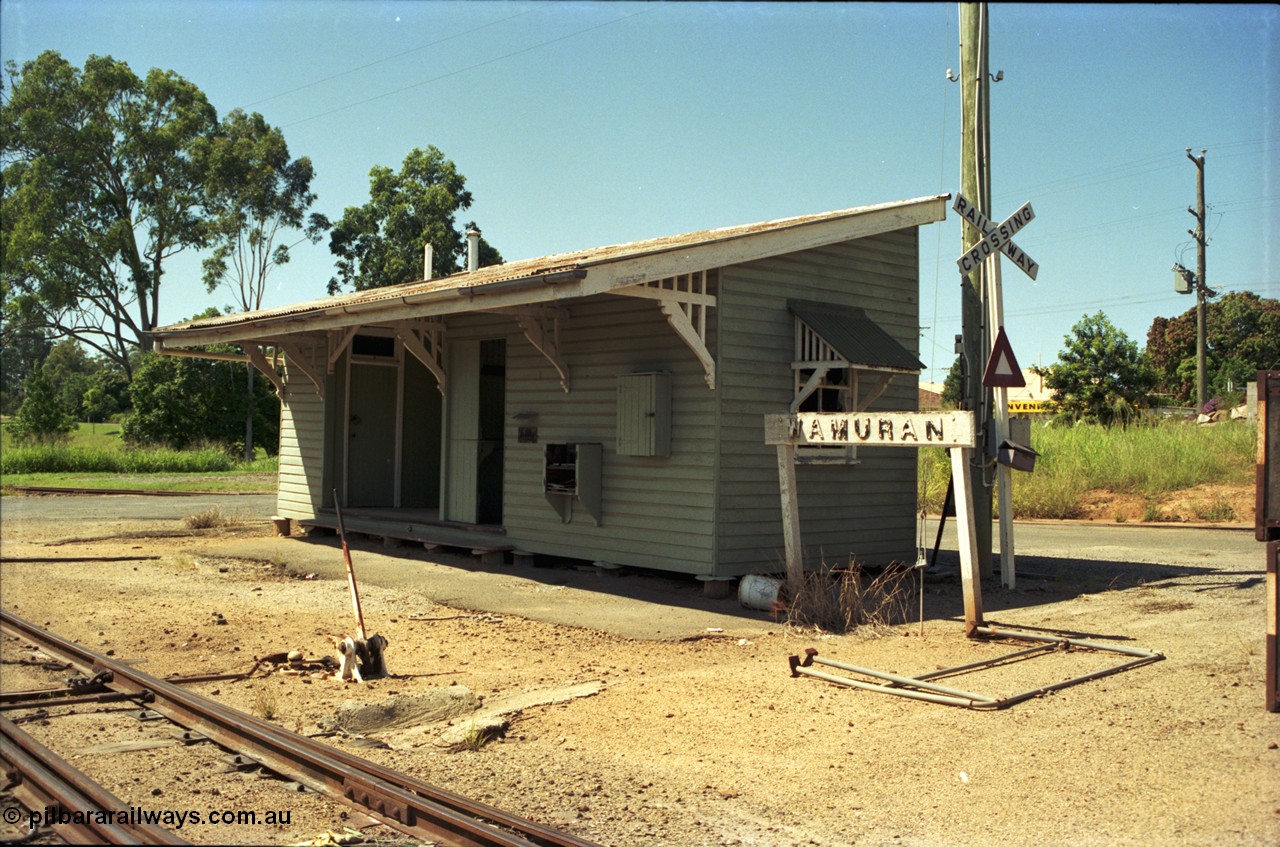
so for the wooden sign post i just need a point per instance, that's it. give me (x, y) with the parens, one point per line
(954, 430)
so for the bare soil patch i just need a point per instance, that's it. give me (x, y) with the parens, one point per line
(702, 741)
(1203, 504)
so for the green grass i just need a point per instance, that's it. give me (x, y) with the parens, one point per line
(1149, 461)
(94, 457)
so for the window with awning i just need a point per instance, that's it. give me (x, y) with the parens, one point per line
(843, 362)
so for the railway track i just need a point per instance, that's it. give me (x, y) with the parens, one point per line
(400, 801)
(42, 780)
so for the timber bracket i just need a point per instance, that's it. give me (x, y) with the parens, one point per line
(684, 301)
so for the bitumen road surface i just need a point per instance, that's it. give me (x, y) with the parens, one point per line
(648, 604)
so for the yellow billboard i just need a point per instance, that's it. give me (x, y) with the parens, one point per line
(1028, 407)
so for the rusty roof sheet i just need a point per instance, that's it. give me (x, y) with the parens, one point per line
(472, 281)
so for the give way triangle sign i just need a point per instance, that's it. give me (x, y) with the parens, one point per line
(1002, 368)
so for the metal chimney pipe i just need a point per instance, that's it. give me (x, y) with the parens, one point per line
(473, 249)
(427, 256)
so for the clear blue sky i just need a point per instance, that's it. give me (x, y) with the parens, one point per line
(581, 124)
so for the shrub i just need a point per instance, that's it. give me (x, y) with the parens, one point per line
(41, 419)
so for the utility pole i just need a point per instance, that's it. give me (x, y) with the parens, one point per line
(1200, 234)
(975, 184)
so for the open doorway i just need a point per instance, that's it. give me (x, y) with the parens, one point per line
(491, 427)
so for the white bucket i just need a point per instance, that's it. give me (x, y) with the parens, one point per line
(759, 592)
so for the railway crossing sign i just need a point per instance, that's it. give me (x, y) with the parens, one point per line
(995, 237)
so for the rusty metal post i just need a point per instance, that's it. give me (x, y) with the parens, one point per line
(1267, 519)
(1273, 611)
(351, 571)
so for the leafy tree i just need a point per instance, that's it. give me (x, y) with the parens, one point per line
(100, 190)
(380, 243)
(256, 194)
(1242, 336)
(41, 417)
(22, 349)
(953, 385)
(1100, 377)
(68, 369)
(179, 402)
(107, 394)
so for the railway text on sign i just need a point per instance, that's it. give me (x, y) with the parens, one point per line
(885, 429)
(995, 237)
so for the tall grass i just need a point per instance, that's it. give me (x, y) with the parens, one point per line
(1145, 460)
(39, 458)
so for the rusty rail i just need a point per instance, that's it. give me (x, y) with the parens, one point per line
(41, 779)
(402, 802)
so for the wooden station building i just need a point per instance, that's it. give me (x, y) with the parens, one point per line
(607, 404)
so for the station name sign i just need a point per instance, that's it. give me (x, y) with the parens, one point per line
(882, 429)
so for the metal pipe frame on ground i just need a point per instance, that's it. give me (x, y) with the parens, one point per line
(918, 688)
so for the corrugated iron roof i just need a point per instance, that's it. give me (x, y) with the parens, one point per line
(855, 336)
(475, 282)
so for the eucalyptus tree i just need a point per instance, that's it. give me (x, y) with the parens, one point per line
(257, 199)
(256, 196)
(380, 243)
(100, 191)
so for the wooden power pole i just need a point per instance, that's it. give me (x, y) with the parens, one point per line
(976, 185)
(1200, 234)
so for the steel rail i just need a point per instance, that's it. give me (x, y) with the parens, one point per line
(43, 780)
(403, 802)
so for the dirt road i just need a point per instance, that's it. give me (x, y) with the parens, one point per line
(699, 735)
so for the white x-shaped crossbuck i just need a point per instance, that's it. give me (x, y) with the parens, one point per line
(995, 237)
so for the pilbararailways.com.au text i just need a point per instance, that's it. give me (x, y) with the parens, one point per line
(168, 818)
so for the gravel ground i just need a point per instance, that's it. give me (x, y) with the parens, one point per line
(701, 737)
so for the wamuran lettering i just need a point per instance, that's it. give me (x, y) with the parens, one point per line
(995, 237)
(888, 429)
(865, 429)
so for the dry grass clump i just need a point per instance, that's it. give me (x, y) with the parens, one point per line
(266, 704)
(842, 599)
(211, 518)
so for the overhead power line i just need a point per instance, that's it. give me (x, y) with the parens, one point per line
(471, 67)
(390, 58)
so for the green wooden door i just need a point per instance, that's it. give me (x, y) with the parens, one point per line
(371, 437)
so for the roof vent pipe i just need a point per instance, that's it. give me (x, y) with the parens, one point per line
(473, 249)
(427, 256)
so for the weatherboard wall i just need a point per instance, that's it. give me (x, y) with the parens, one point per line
(866, 510)
(656, 511)
(301, 459)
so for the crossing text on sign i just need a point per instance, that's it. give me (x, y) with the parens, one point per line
(995, 237)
